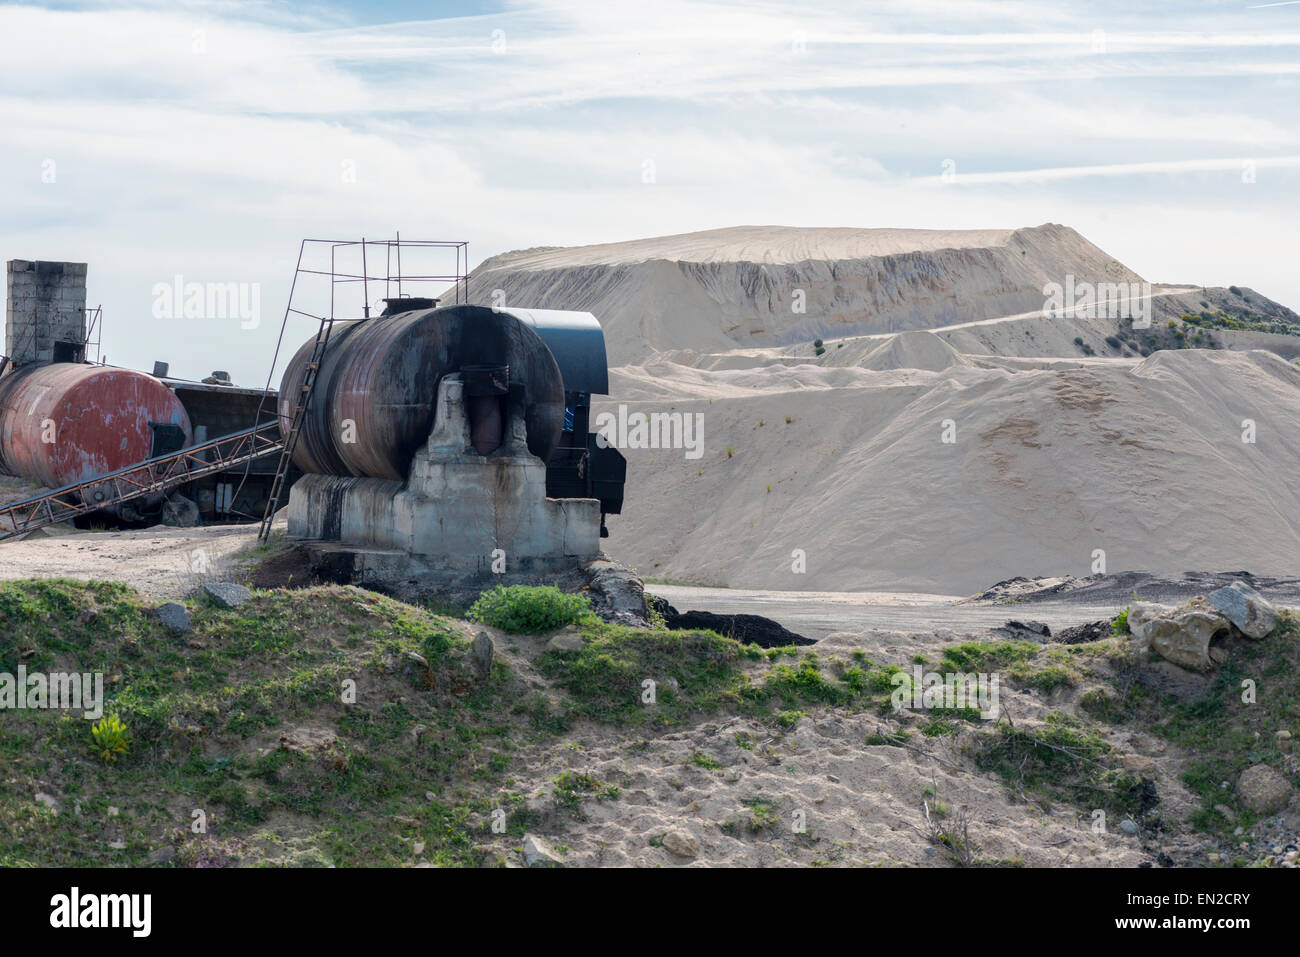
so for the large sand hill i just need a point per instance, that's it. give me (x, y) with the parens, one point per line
(746, 286)
(1056, 454)
(1142, 459)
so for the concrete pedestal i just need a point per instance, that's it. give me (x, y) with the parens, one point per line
(455, 510)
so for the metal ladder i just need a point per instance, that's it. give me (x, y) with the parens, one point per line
(300, 410)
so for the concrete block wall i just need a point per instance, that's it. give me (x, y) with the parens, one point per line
(45, 303)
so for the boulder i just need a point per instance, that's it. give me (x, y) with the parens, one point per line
(681, 844)
(1024, 631)
(227, 595)
(1181, 635)
(481, 655)
(1263, 790)
(1245, 608)
(538, 853)
(174, 618)
(616, 593)
(568, 638)
(179, 512)
(747, 629)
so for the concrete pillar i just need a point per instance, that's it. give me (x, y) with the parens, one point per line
(45, 306)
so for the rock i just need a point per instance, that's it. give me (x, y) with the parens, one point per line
(1218, 655)
(1140, 616)
(1181, 635)
(481, 655)
(567, 639)
(1081, 634)
(616, 593)
(179, 512)
(227, 595)
(1128, 826)
(1024, 631)
(412, 662)
(164, 855)
(538, 853)
(681, 844)
(1228, 813)
(174, 618)
(1245, 608)
(49, 800)
(307, 738)
(660, 606)
(1263, 790)
(747, 629)
(1138, 763)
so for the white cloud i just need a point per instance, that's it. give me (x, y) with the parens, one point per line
(215, 160)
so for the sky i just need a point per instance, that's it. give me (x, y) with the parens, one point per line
(200, 142)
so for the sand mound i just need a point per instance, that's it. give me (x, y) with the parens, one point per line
(848, 466)
(913, 350)
(773, 285)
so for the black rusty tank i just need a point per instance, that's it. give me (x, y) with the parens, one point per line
(378, 385)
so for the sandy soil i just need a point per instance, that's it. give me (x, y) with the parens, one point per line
(164, 563)
(859, 804)
(1049, 461)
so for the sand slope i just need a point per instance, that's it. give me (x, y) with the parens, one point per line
(1143, 459)
(720, 289)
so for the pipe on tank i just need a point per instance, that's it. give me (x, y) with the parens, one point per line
(374, 399)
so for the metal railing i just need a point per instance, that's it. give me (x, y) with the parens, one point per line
(136, 481)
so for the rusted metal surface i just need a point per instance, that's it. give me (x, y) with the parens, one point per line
(68, 423)
(374, 397)
(485, 389)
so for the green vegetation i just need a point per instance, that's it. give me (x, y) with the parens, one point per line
(1228, 728)
(248, 721)
(1065, 760)
(528, 609)
(110, 737)
(572, 788)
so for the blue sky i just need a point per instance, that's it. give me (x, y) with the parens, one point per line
(205, 140)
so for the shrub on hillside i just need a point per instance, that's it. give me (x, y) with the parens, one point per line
(528, 609)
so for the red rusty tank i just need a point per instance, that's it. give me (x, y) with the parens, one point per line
(67, 423)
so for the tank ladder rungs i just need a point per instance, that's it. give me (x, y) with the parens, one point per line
(299, 414)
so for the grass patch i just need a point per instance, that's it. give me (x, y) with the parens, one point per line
(529, 609)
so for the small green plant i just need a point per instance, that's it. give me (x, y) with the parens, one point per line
(730, 451)
(110, 737)
(528, 609)
(1120, 625)
(571, 788)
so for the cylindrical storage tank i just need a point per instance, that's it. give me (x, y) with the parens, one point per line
(374, 399)
(67, 423)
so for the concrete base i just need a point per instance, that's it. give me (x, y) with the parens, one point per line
(458, 512)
